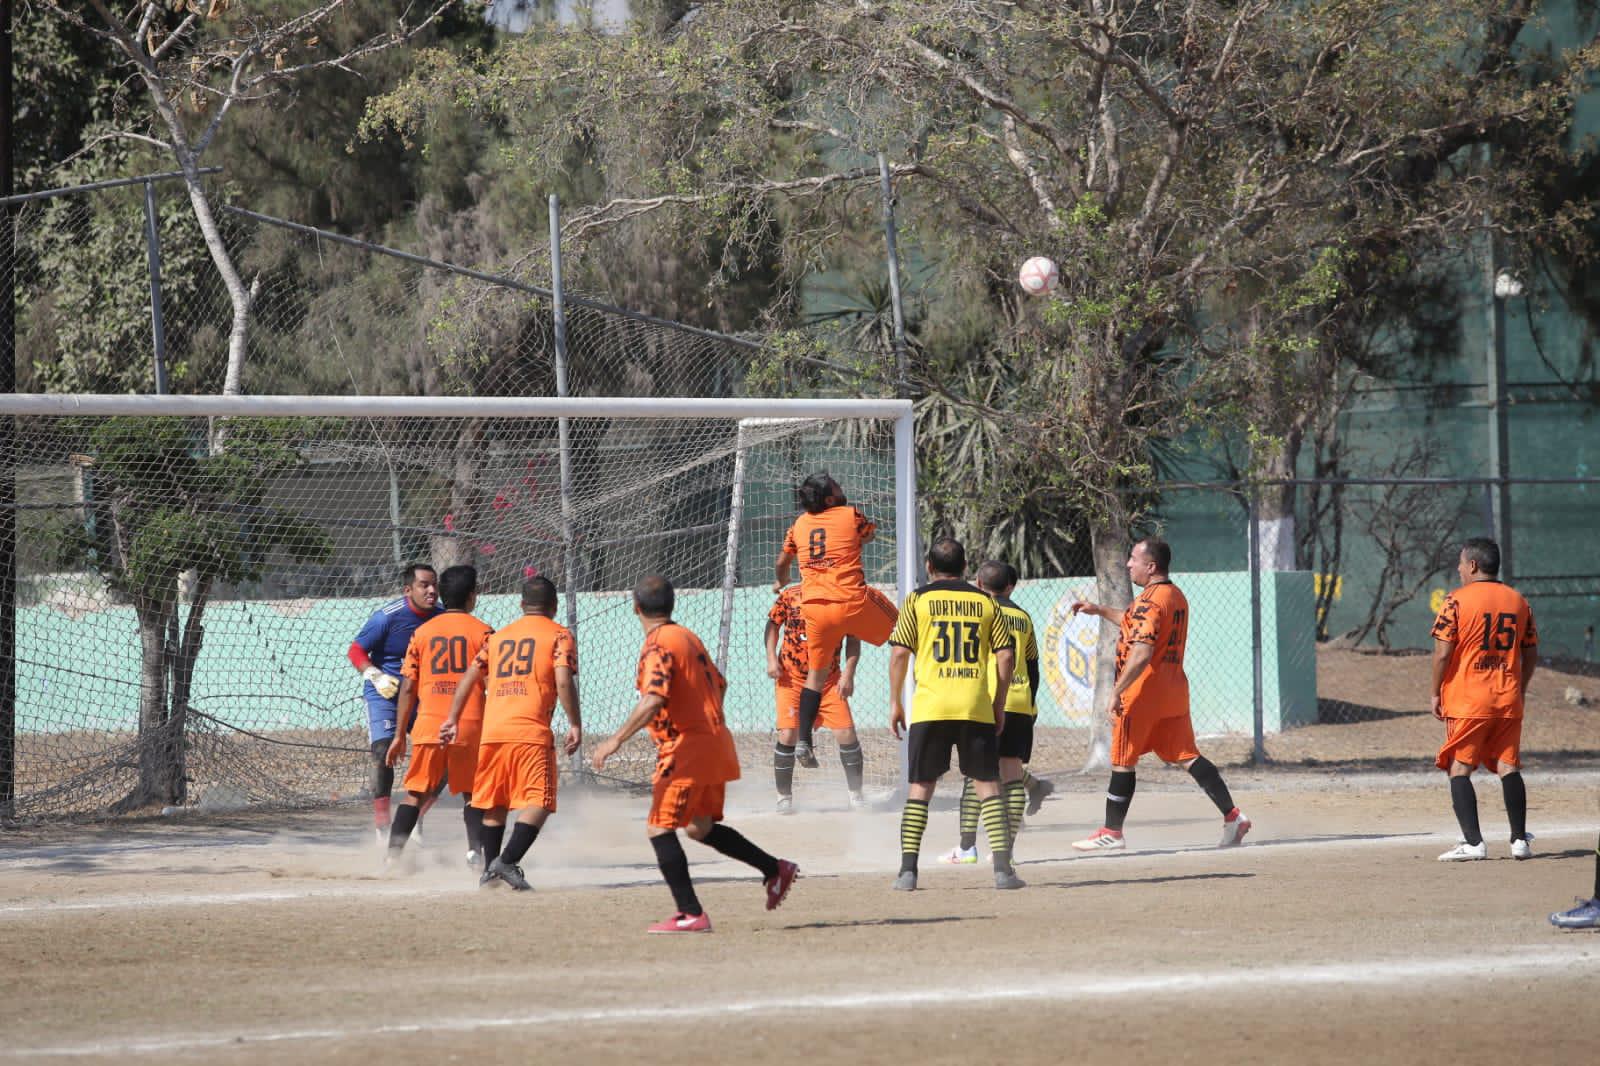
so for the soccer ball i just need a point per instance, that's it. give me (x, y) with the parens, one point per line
(1038, 276)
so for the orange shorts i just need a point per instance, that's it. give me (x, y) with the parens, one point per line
(870, 618)
(834, 713)
(515, 776)
(675, 802)
(429, 763)
(1134, 734)
(1487, 742)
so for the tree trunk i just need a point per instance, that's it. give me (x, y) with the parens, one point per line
(188, 652)
(1275, 507)
(155, 737)
(1110, 543)
(455, 547)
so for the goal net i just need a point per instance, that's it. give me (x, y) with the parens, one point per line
(190, 570)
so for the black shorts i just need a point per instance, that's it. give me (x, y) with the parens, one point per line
(1016, 740)
(928, 750)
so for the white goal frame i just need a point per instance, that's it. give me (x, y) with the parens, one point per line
(747, 412)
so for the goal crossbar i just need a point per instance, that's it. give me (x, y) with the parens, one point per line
(218, 406)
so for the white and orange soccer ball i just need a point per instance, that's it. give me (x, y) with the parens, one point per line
(1038, 276)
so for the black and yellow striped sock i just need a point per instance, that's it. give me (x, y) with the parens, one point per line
(993, 812)
(1015, 795)
(969, 816)
(913, 823)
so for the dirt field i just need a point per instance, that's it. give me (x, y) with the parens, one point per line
(1333, 936)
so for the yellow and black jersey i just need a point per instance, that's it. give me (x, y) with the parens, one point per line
(953, 629)
(1025, 678)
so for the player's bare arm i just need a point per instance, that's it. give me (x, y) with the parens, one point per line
(1139, 658)
(1442, 651)
(646, 709)
(774, 667)
(472, 678)
(781, 571)
(847, 672)
(899, 663)
(1530, 663)
(1005, 665)
(1110, 614)
(402, 721)
(567, 693)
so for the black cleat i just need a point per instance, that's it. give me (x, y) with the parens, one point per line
(804, 756)
(509, 873)
(1038, 792)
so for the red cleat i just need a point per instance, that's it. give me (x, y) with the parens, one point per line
(683, 923)
(779, 884)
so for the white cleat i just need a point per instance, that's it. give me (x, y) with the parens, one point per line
(785, 805)
(1522, 849)
(1234, 829)
(959, 856)
(858, 802)
(1464, 852)
(1100, 840)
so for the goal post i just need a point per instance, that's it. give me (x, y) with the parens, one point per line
(193, 568)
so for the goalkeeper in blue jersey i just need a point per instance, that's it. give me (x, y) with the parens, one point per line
(377, 654)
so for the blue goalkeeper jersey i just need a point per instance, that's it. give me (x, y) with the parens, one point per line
(385, 638)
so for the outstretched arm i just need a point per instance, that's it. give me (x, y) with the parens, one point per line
(474, 677)
(643, 711)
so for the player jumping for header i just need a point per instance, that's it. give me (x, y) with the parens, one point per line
(680, 701)
(1150, 703)
(835, 600)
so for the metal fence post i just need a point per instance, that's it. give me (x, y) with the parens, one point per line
(158, 331)
(1258, 752)
(902, 386)
(8, 440)
(563, 429)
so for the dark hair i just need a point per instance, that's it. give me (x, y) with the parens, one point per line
(1160, 553)
(539, 593)
(409, 574)
(946, 556)
(456, 586)
(653, 596)
(995, 575)
(1484, 552)
(816, 493)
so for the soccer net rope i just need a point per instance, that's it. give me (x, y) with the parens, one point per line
(191, 570)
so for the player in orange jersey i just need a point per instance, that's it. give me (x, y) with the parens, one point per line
(519, 674)
(680, 701)
(438, 656)
(1485, 647)
(788, 665)
(835, 600)
(1150, 703)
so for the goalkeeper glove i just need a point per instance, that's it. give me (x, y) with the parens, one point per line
(385, 684)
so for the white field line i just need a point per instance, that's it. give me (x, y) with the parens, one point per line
(577, 877)
(1579, 957)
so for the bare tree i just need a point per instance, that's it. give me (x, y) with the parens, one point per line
(199, 59)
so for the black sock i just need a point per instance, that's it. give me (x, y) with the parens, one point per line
(854, 763)
(489, 839)
(1119, 797)
(783, 768)
(522, 837)
(810, 704)
(913, 822)
(1464, 798)
(675, 868)
(1516, 794)
(735, 845)
(473, 817)
(1597, 871)
(1206, 775)
(969, 816)
(992, 811)
(405, 820)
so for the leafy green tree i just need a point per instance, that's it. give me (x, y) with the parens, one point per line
(171, 507)
(1185, 163)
